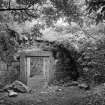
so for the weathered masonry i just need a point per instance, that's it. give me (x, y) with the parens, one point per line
(36, 68)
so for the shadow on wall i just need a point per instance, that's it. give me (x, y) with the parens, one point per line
(65, 66)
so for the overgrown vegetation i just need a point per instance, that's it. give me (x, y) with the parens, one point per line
(24, 21)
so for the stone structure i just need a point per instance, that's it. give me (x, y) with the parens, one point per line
(36, 68)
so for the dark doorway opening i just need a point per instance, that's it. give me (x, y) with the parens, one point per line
(66, 67)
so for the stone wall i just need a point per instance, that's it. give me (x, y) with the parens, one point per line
(3, 72)
(8, 73)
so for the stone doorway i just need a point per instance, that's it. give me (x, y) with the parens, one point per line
(36, 68)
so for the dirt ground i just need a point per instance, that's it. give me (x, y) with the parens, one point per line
(49, 96)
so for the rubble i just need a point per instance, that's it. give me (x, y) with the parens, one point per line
(51, 89)
(83, 86)
(11, 93)
(17, 86)
(73, 83)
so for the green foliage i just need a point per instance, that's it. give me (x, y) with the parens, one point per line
(1, 2)
(92, 62)
(30, 2)
(50, 10)
(96, 8)
(67, 8)
(8, 45)
(46, 13)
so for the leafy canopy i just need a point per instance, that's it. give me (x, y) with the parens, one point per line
(50, 10)
(96, 9)
(45, 12)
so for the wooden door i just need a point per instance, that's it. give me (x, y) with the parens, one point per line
(36, 71)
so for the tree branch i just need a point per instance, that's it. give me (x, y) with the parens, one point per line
(15, 9)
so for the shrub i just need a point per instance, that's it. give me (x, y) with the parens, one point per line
(92, 62)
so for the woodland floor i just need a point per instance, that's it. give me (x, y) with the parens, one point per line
(65, 96)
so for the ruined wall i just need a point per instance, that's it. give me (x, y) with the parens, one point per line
(8, 73)
(65, 66)
(3, 72)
